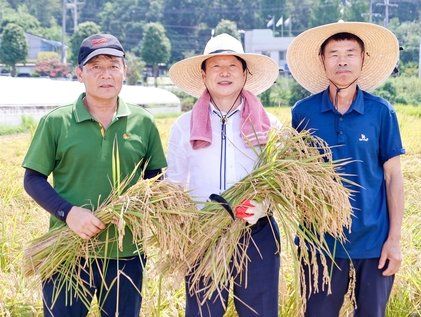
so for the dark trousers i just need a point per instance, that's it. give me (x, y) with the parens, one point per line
(261, 293)
(115, 283)
(372, 289)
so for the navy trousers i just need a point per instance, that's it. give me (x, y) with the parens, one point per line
(262, 278)
(110, 290)
(372, 289)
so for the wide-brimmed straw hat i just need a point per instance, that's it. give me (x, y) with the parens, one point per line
(187, 74)
(381, 54)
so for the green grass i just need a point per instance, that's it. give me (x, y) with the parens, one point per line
(22, 220)
(28, 124)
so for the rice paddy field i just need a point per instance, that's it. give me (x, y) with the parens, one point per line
(21, 220)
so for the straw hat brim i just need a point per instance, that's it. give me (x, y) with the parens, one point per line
(187, 74)
(381, 54)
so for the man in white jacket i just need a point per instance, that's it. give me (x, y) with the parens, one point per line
(214, 146)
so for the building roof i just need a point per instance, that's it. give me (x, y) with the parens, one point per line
(43, 39)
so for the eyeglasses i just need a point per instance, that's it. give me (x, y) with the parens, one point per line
(96, 69)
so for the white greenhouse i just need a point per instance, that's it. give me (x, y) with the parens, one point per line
(36, 96)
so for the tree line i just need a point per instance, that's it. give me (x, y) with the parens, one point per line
(164, 31)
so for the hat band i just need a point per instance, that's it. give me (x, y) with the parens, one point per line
(222, 51)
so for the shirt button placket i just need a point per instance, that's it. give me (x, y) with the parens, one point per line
(341, 135)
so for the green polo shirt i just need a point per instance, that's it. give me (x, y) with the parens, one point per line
(75, 148)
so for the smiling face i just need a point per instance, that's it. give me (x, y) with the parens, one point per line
(103, 77)
(343, 61)
(224, 76)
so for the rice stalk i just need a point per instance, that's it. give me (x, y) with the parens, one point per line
(296, 175)
(156, 213)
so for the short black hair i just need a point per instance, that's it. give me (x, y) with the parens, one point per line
(243, 63)
(342, 37)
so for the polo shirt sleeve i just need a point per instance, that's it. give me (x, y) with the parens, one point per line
(42, 151)
(390, 138)
(155, 153)
(295, 118)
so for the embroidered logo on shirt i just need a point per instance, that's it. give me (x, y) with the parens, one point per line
(363, 138)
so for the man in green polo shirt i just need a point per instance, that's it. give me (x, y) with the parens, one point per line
(76, 144)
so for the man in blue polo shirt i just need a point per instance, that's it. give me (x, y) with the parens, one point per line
(339, 62)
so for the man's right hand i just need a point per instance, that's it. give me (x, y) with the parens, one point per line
(83, 222)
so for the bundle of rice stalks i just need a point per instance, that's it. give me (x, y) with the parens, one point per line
(160, 216)
(296, 175)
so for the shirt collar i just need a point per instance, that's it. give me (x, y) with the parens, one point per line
(357, 105)
(213, 109)
(82, 113)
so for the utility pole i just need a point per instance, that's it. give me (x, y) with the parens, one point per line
(73, 6)
(370, 13)
(66, 5)
(386, 6)
(63, 31)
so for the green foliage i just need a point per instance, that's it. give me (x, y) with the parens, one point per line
(23, 18)
(135, 67)
(246, 13)
(269, 8)
(43, 10)
(280, 93)
(91, 9)
(156, 46)
(409, 36)
(285, 92)
(229, 27)
(265, 98)
(189, 22)
(53, 32)
(401, 90)
(28, 124)
(13, 46)
(408, 10)
(324, 11)
(388, 92)
(187, 101)
(297, 93)
(356, 10)
(299, 11)
(187, 28)
(4, 5)
(409, 69)
(84, 30)
(126, 18)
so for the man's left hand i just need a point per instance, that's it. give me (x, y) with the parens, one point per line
(251, 211)
(391, 251)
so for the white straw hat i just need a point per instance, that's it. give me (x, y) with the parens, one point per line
(381, 54)
(187, 74)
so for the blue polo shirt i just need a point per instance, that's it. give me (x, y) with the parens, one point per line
(368, 133)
